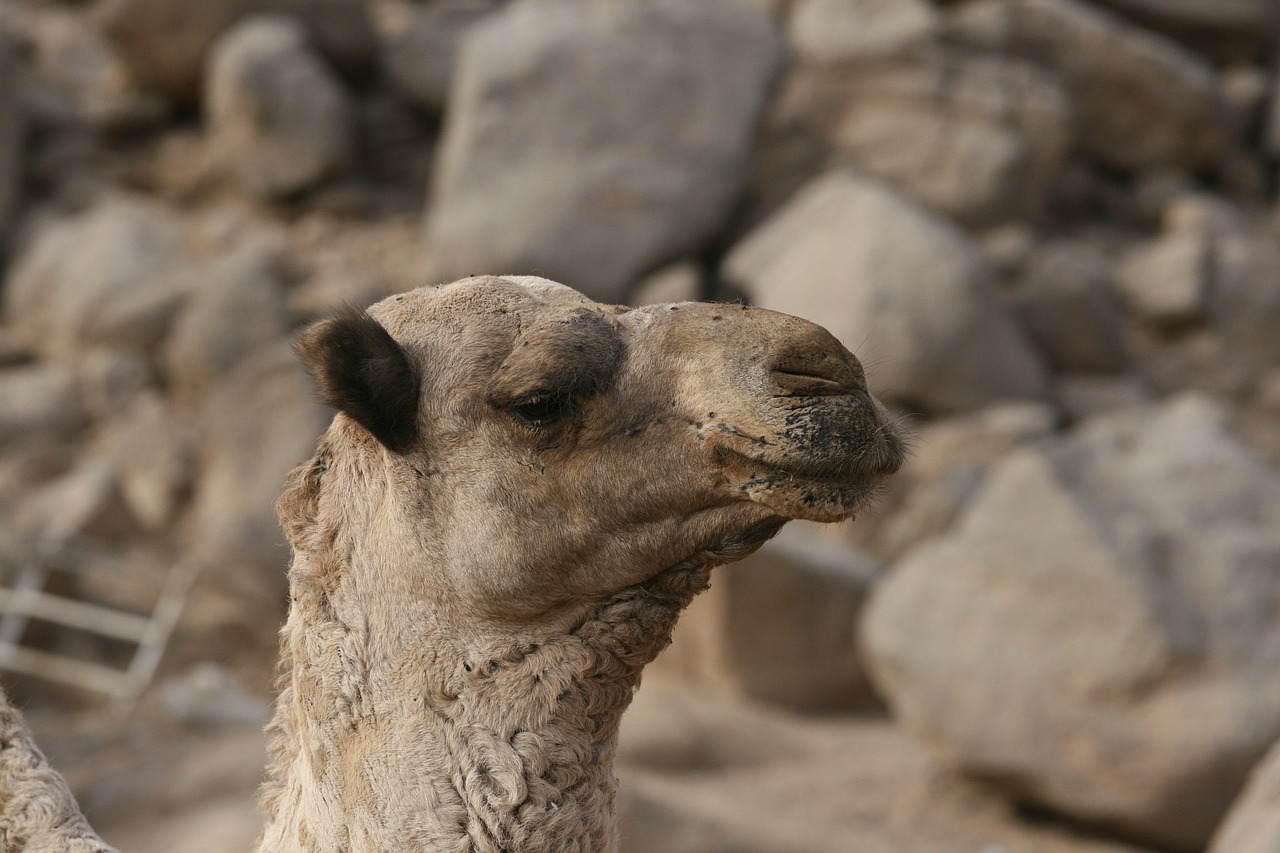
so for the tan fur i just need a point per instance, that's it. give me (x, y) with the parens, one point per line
(470, 615)
(37, 812)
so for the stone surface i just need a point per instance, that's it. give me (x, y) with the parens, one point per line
(1093, 635)
(39, 399)
(281, 121)
(237, 307)
(593, 142)
(98, 278)
(84, 503)
(981, 138)
(1141, 99)
(904, 290)
(153, 448)
(1066, 300)
(1253, 824)
(420, 48)
(164, 44)
(1166, 282)
(261, 420)
(678, 282)
(12, 133)
(801, 585)
(1225, 29)
(848, 30)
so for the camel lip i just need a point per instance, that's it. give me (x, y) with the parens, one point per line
(849, 475)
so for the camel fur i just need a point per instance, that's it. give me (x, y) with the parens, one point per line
(37, 812)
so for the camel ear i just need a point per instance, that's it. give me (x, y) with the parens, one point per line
(362, 372)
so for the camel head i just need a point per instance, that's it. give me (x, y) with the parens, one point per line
(542, 451)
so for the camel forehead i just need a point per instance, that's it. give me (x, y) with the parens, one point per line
(480, 301)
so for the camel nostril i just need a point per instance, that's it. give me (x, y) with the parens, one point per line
(816, 374)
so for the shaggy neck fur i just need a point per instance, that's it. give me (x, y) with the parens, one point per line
(395, 737)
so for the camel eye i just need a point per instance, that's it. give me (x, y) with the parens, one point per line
(543, 409)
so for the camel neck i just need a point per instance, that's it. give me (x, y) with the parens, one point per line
(381, 745)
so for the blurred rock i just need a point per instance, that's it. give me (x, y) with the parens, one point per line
(1141, 100)
(40, 399)
(1094, 634)
(164, 44)
(236, 308)
(845, 30)
(261, 420)
(592, 142)
(153, 449)
(420, 51)
(97, 278)
(679, 282)
(950, 460)
(81, 79)
(1066, 299)
(1166, 282)
(1085, 397)
(1225, 29)
(800, 586)
(1253, 824)
(981, 138)
(111, 379)
(280, 119)
(84, 503)
(904, 290)
(12, 134)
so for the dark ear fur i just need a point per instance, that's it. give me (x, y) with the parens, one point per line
(362, 372)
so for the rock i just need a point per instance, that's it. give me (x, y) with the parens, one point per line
(84, 503)
(98, 278)
(1253, 824)
(679, 282)
(1067, 302)
(1141, 100)
(800, 586)
(593, 142)
(281, 120)
(421, 49)
(1166, 282)
(153, 449)
(12, 134)
(914, 295)
(237, 307)
(261, 420)
(110, 381)
(164, 44)
(40, 399)
(950, 461)
(82, 81)
(1085, 397)
(1225, 29)
(847, 30)
(1094, 634)
(980, 138)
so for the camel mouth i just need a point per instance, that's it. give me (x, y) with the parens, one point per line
(816, 492)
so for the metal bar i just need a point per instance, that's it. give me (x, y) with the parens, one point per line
(76, 614)
(27, 588)
(152, 644)
(51, 667)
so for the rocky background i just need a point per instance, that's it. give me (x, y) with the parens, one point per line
(1048, 227)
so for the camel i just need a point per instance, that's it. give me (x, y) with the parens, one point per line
(519, 493)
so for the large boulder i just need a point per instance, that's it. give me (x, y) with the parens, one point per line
(848, 30)
(593, 142)
(99, 277)
(1253, 824)
(780, 626)
(980, 138)
(1098, 633)
(39, 400)
(12, 124)
(279, 118)
(902, 288)
(1226, 29)
(164, 44)
(1141, 100)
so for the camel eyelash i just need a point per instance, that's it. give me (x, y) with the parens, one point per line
(543, 409)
